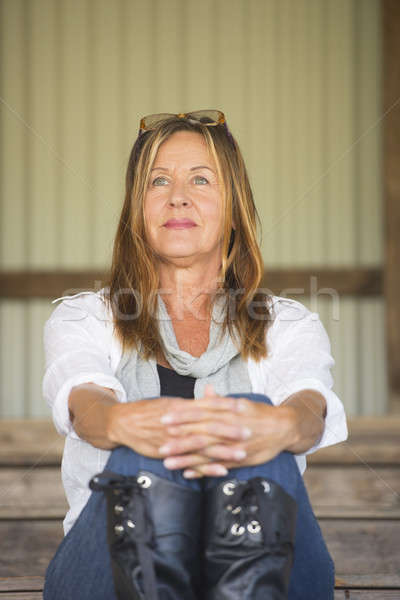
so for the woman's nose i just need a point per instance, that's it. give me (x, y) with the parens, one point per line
(179, 195)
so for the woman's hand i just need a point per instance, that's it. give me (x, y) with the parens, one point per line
(139, 424)
(101, 420)
(216, 433)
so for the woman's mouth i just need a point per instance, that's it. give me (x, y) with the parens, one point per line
(180, 224)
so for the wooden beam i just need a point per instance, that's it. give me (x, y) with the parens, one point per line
(47, 284)
(291, 283)
(392, 193)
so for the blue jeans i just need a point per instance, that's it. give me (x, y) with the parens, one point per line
(81, 567)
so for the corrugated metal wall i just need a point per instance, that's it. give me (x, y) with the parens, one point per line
(299, 81)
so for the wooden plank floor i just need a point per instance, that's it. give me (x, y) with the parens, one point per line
(354, 488)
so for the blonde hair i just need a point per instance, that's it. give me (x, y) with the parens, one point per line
(133, 282)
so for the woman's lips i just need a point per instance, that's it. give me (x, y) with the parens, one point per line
(180, 224)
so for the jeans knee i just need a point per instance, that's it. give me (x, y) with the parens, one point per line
(125, 461)
(253, 397)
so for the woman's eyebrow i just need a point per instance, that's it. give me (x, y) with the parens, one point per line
(191, 168)
(202, 167)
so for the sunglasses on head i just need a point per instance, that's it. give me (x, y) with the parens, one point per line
(209, 118)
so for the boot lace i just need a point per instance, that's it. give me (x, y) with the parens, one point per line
(133, 510)
(248, 502)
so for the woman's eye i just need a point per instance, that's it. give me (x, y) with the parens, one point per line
(160, 181)
(199, 180)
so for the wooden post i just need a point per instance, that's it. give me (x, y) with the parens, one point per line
(392, 193)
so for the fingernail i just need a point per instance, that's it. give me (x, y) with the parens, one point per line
(166, 419)
(240, 406)
(165, 449)
(189, 474)
(170, 463)
(239, 454)
(220, 470)
(246, 433)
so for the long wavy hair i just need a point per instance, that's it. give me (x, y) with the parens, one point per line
(133, 284)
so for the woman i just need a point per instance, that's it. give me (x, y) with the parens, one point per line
(197, 392)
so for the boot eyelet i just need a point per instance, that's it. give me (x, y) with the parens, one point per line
(266, 486)
(119, 529)
(254, 527)
(237, 529)
(144, 481)
(118, 509)
(236, 510)
(228, 489)
(130, 524)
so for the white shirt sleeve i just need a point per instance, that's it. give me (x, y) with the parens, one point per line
(299, 358)
(79, 348)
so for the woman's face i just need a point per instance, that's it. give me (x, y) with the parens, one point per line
(183, 204)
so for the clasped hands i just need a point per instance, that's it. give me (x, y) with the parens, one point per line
(207, 436)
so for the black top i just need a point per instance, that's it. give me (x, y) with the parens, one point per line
(173, 384)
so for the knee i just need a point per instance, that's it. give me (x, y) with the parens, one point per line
(253, 397)
(125, 461)
(282, 469)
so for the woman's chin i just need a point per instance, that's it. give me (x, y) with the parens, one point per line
(181, 259)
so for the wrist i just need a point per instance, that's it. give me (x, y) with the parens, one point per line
(111, 418)
(291, 419)
(308, 410)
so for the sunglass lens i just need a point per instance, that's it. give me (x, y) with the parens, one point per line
(205, 116)
(151, 121)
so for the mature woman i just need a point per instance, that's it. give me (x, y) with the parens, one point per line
(196, 393)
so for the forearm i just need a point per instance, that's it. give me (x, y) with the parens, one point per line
(105, 423)
(307, 414)
(89, 407)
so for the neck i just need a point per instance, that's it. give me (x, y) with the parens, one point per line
(188, 291)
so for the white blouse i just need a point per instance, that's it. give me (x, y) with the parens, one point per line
(80, 347)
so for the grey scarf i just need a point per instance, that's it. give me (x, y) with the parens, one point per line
(221, 364)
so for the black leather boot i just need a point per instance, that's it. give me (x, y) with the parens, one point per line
(153, 531)
(249, 541)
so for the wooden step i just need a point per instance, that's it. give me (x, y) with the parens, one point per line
(354, 491)
(354, 488)
(348, 491)
(30, 443)
(371, 441)
(21, 584)
(32, 493)
(27, 588)
(375, 594)
(367, 547)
